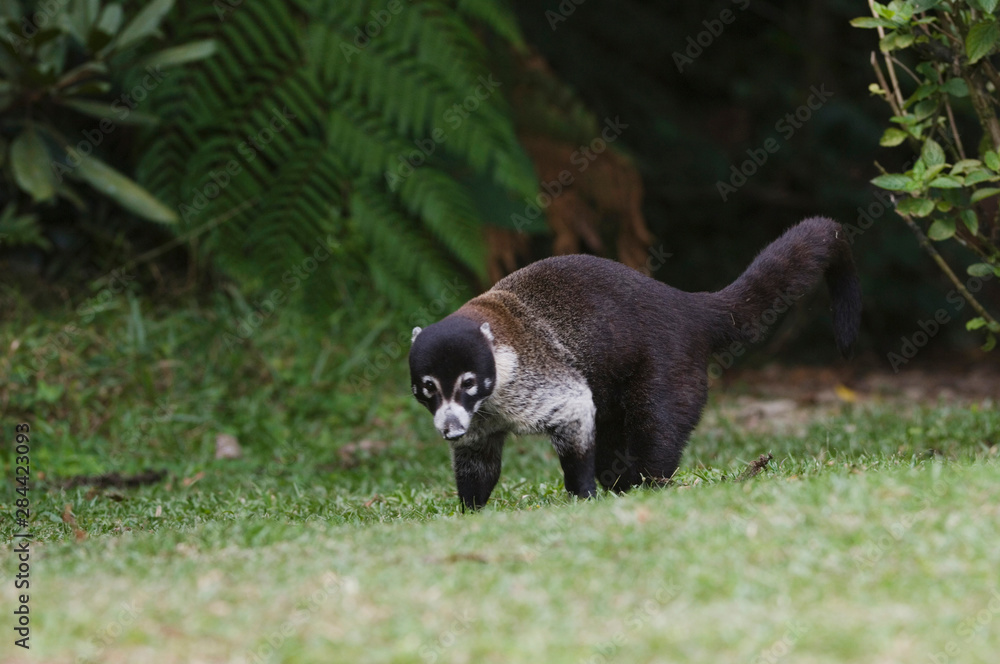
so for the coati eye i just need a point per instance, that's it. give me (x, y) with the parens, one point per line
(468, 382)
(429, 386)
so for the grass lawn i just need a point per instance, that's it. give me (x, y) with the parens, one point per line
(872, 536)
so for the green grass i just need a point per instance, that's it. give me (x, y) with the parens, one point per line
(874, 537)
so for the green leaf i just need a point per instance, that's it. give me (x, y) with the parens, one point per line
(991, 342)
(917, 207)
(103, 110)
(872, 22)
(895, 41)
(144, 24)
(956, 86)
(941, 229)
(992, 160)
(942, 205)
(946, 182)
(178, 55)
(986, 192)
(979, 175)
(892, 181)
(964, 165)
(980, 270)
(111, 19)
(924, 109)
(931, 172)
(922, 92)
(893, 136)
(32, 165)
(971, 221)
(984, 5)
(981, 39)
(932, 154)
(127, 193)
(976, 323)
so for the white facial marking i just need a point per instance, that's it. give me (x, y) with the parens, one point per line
(429, 393)
(416, 331)
(468, 375)
(451, 419)
(414, 389)
(487, 332)
(487, 383)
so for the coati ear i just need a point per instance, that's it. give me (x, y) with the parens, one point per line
(416, 331)
(487, 332)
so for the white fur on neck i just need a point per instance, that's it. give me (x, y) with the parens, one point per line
(505, 359)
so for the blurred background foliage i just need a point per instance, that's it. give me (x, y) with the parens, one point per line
(370, 164)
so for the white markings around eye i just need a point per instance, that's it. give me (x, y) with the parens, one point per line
(428, 392)
(468, 375)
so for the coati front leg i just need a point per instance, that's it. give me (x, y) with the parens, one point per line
(477, 468)
(571, 428)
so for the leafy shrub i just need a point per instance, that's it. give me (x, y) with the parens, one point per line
(65, 75)
(943, 196)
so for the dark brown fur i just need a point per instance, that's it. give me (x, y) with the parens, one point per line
(643, 347)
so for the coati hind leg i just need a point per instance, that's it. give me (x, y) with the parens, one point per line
(615, 463)
(578, 471)
(667, 424)
(641, 438)
(477, 468)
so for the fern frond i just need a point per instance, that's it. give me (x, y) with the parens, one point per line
(290, 115)
(497, 16)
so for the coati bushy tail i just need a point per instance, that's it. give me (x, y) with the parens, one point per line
(787, 269)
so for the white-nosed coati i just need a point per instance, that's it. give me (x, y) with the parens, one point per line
(608, 362)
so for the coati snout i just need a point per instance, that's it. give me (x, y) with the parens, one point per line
(609, 363)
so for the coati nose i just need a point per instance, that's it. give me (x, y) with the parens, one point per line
(452, 429)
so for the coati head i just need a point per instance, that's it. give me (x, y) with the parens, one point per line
(452, 371)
